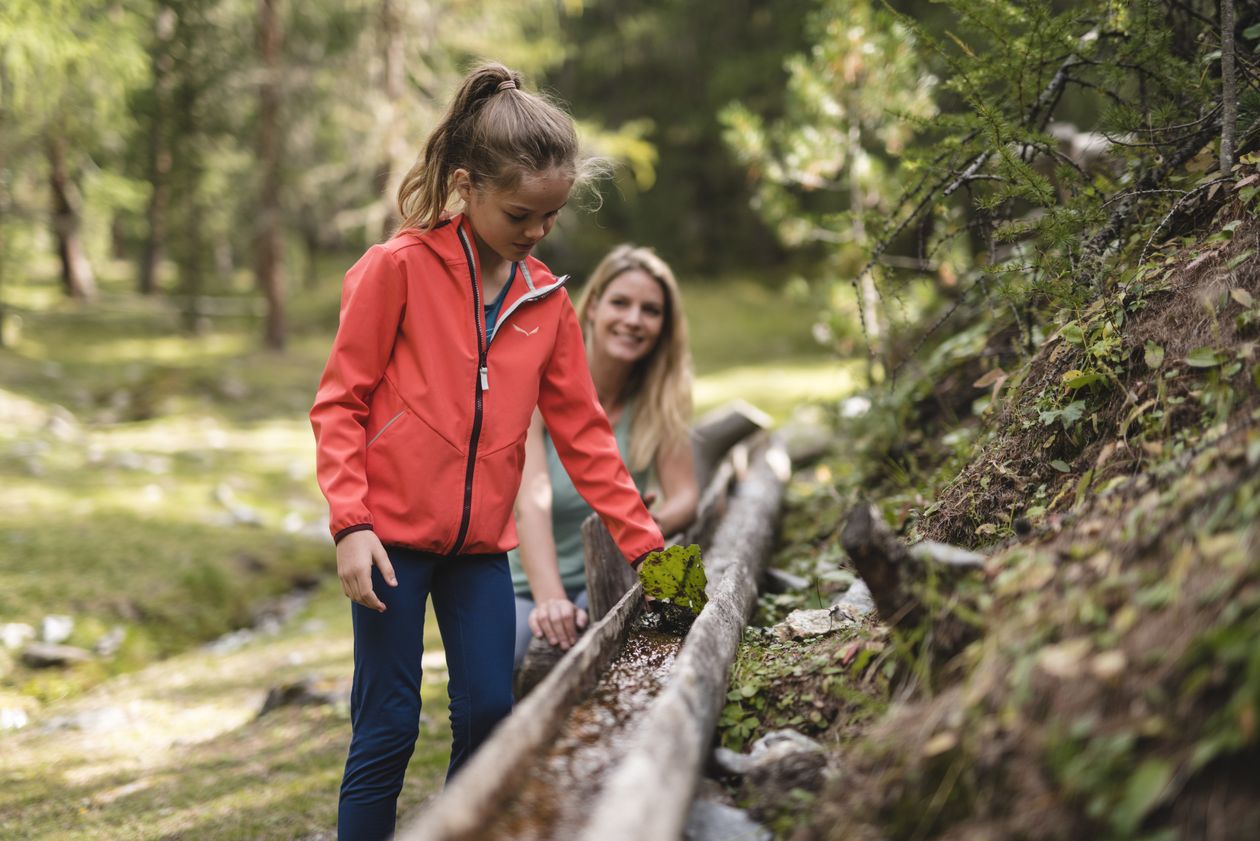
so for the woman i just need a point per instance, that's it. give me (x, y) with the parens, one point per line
(636, 346)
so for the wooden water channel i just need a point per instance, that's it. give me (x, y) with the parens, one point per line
(610, 744)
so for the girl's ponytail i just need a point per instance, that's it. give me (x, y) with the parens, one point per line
(494, 129)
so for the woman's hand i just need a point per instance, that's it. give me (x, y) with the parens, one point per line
(559, 620)
(356, 552)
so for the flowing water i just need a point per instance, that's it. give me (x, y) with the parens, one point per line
(560, 787)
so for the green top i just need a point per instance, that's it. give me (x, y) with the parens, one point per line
(568, 511)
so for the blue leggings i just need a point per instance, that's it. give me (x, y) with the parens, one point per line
(473, 599)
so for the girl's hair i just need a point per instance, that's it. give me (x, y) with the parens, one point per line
(497, 131)
(660, 384)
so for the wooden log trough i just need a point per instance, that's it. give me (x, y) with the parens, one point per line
(643, 759)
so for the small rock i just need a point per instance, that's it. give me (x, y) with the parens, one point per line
(769, 748)
(108, 645)
(730, 763)
(300, 694)
(778, 742)
(782, 581)
(89, 721)
(241, 513)
(801, 624)
(56, 628)
(856, 601)
(231, 641)
(710, 821)
(42, 655)
(13, 718)
(855, 407)
(62, 425)
(783, 760)
(15, 634)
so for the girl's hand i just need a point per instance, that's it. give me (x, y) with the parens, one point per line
(559, 620)
(356, 553)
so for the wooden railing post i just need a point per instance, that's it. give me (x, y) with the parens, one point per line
(608, 574)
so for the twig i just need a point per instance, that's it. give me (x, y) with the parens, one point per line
(1162, 222)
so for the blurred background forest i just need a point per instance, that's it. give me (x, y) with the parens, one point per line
(942, 230)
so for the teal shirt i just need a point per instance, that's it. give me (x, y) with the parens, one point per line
(568, 511)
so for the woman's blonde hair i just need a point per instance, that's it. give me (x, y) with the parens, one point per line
(498, 132)
(660, 384)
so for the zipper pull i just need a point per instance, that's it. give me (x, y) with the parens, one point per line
(485, 378)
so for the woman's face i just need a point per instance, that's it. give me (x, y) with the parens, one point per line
(628, 318)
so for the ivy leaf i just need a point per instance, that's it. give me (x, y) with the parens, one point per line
(1154, 355)
(1203, 357)
(675, 575)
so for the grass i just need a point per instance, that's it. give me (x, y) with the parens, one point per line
(176, 750)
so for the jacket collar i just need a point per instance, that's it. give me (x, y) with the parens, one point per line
(533, 278)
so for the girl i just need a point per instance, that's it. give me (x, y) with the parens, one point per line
(450, 335)
(636, 345)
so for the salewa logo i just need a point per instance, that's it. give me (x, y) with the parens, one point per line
(520, 329)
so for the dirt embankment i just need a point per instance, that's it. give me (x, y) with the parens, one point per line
(1114, 692)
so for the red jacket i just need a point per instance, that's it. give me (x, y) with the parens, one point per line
(420, 423)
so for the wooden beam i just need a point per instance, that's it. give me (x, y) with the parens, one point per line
(655, 781)
(470, 802)
(608, 574)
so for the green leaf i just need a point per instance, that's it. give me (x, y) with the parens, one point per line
(1154, 355)
(675, 575)
(1203, 357)
(1060, 465)
(1145, 789)
(1242, 296)
(1082, 380)
(1072, 332)
(1071, 413)
(1238, 259)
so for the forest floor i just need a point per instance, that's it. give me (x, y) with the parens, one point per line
(1105, 682)
(159, 490)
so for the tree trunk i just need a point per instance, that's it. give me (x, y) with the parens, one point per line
(392, 32)
(1229, 88)
(269, 240)
(159, 151)
(76, 272)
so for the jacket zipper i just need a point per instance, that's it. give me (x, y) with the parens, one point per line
(481, 384)
(483, 377)
(535, 295)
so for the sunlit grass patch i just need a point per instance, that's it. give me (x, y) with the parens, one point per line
(177, 749)
(780, 387)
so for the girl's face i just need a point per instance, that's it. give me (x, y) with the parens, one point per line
(627, 320)
(511, 222)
